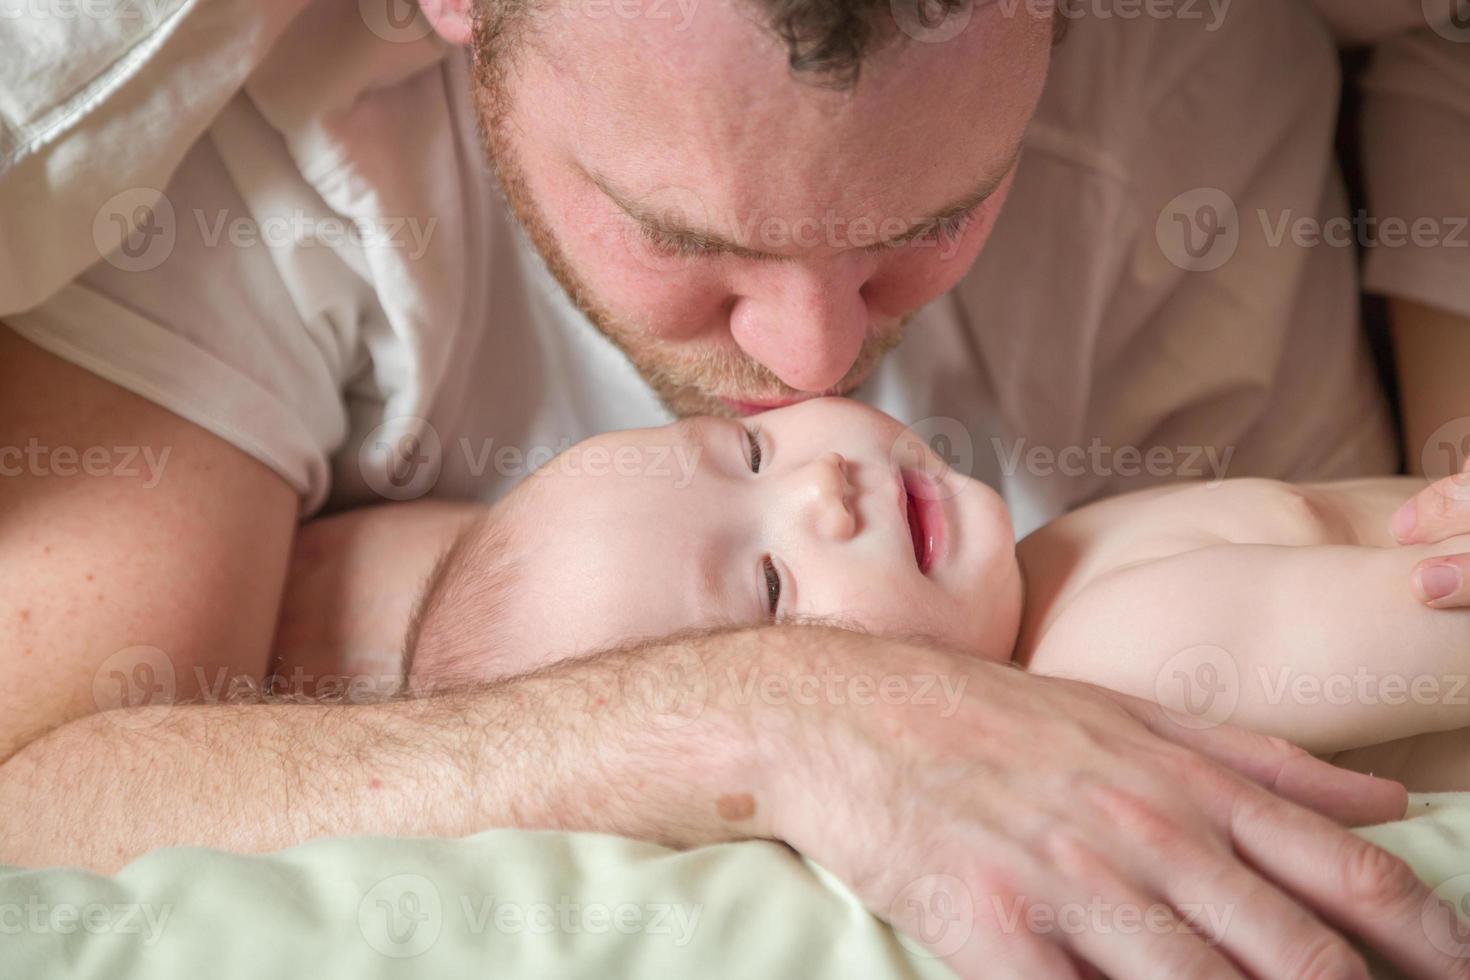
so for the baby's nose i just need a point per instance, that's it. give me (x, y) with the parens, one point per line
(829, 491)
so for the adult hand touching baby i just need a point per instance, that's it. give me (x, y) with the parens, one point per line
(1438, 512)
(1036, 827)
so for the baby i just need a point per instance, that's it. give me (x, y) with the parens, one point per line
(1278, 608)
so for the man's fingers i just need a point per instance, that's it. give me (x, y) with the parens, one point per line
(1165, 949)
(1018, 958)
(1348, 797)
(1353, 884)
(1443, 582)
(1441, 510)
(1128, 933)
(1268, 933)
(1010, 951)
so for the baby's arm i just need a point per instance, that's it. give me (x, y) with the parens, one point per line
(1323, 645)
(1425, 763)
(350, 591)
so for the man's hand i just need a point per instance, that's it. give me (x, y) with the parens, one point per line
(1431, 348)
(1033, 825)
(1439, 511)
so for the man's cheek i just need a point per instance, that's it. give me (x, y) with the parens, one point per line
(907, 282)
(623, 275)
(934, 264)
(595, 237)
(921, 271)
(673, 307)
(599, 236)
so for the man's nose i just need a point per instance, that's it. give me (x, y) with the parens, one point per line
(806, 323)
(824, 498)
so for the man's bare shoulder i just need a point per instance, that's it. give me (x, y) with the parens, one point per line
(124, 584)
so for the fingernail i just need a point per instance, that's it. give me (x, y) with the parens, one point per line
(1438, 581)
(1404, 520)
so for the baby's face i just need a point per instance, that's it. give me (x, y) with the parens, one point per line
(825, 509)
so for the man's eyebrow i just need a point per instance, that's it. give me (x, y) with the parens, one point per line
(706, 239)
(964, 205)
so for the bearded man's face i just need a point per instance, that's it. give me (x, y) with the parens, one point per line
(746, 236)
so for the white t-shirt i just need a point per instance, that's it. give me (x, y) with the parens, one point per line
(331, 281)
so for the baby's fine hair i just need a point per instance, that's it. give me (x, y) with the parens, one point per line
(460, 620)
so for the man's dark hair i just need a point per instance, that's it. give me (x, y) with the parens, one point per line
(831, 38)
(826, 40)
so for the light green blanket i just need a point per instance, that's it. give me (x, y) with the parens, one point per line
(507, 904)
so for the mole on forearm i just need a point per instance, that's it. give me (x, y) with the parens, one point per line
(735, 807)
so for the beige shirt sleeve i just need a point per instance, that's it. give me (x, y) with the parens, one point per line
(1416, 133)
(97, 112)
(1416, 144)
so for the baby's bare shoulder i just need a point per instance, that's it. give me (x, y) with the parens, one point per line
(1165, 520)
(1095, 543)
(1259, 511)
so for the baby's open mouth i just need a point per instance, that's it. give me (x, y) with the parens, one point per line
(921, 517)
(916, 529)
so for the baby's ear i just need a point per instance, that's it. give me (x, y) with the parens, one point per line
(451, 18)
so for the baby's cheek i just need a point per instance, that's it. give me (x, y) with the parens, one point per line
(889, 605)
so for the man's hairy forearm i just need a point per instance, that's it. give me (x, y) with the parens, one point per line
(638, 743)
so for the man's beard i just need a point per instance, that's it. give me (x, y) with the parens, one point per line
(688, 383)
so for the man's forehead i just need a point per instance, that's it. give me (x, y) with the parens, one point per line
(714, 110)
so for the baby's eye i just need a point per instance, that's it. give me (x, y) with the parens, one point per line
(752, 436)
(773, 586)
